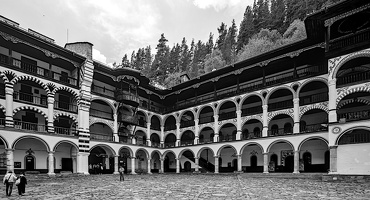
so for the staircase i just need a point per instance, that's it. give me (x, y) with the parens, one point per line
(206, 166)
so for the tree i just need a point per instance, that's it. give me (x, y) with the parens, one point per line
(222, 32)
(185, 56)
(229, 46)
(277, 15)
(213, 61)
(295, 32)
(261, 14)
(160, 63)
(246, 28)
(125, 62)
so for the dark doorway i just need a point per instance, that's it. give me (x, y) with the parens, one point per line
(187, 166)
(327, 161)
(235, 164)
(166, 164)
(254, 161)
(289, 164)
(67, 164)
(64, 102)
(273, 163)
(307, 161)
(30, 163)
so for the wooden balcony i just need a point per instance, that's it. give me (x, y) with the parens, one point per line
(65, 131)
(60, 105)
(127, 98)
(101, 137)
(30, 126)
(29, 99)
(354, 116)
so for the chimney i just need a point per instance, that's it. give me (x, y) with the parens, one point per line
(82, 48)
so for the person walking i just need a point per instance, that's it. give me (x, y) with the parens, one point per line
(22, 184)
(9, 180)
(121, 171)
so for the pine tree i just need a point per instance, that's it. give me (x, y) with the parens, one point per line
(209, 44)
(125, 62)
(246, 28)
(222, 32)
(229, 47)
(160, 63)
(278, 15)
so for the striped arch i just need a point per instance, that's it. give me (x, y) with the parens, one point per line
(248, 144)
(65, 141)
(103, 121)
(31, 137)
(364, 101)
(186, 149)
(202, 149)
(168, 151)
(15, 111)
(250, 95)
(314, 106)
(223, 146)
(127, 148)
(321, 79)
(3, 109)
(224, 101)
(257, 117)
(310, 138)
(6, 144)
(364, 53)
(145, 151)
(105, 147)
(278, 88)
(184, 111)
(107, 102)
(65, 114)
(350, 129)
(277, 141)
(204, 106)
(65, 89)
(222, 125)
(31, 78)
(280, 112)
(350, 91)
(4, 78)
(200, 130)
(155, 151)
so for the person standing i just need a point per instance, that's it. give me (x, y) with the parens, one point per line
(22, 184)
(9, 180)
(121, 171)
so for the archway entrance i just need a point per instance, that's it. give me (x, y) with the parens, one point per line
(30, 163)
(101, 160)
(187, 166)
(170, 162)
(206, 160)
(289, 163)
(307, 161)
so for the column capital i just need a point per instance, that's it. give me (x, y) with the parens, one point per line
(116, 156)
(216, 156)
(296, 100)
(265, 153)
(51, 152)
(196, 157)
(238, 111)
(161, 159)
(333, 147)
(297, 151)
(9, 149)
(264, 107)
(332, 82)
(9, 91)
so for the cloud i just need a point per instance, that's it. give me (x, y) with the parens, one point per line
(97, 55)
(218, 5)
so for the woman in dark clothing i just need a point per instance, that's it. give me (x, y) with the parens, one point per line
(22, 184)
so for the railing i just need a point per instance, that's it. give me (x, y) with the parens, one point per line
(156, 144)
(354, 116)
(206, 98)
(228, 115)
(103, 91)
(101, 114)
(142, 123)
(203, 120)
(64, 79)
(65, 131)
(252, 135)
(281, 131)
(187, 142)
(29, 98)
(29, 126)
(315, 98)
(102, 137)
(280, 105)
(227, 138)
(2, 90)
(349, 40)
(170, 127)
(313, 128)
(252, 110)
(156, 127)
(251, 86)
(353, 78)
(184, 124)
(169, 144)
(2, 122)
(65, 106)
(276, 79)
(226, 93)
(204, 141)
(127, 118)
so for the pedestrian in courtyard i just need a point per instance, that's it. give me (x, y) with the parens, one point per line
(121, 171)
(9, 180)
(22, 184)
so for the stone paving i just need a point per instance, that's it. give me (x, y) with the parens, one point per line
(187, 186)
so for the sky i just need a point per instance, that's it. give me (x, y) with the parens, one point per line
(118, 27)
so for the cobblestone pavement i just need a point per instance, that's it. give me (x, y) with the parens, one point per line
(187, 186)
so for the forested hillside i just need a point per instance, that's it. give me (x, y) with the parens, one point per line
(267, 25)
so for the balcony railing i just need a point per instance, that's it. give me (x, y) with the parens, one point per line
(169, 144)
(65, 106)
(315, 98)
(39, 71)
(29, 98)
(276, 79)
(65, 131)
(2, 90)
(204, 120)
(102, 91)
(313, 128)
(184, 124)
(142, 123)
(227, 138)
(29, 126)
(2, 122)
(156, 144)
(281, 131)
(205, 141)
(252, 135)
(353, 78)
(354, 116)
(228, 115)
(102, 137)
(186, 142)
(170, 127)
(127, 119)
(251, 86)
(280, 105)
(252, 111)
(101, 114)
(349, 40)
(156, 127)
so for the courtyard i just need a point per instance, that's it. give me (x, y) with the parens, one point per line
(188, 186)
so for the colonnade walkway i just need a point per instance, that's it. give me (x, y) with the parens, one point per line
(191, 186)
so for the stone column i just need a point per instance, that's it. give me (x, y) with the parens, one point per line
(83, 163)
(296, 162)
(133, 166)
(333, 159)
(149, 167)
(116, 164)
(265, 163)
(264, 119)
(149, 143)
(162, 166)
(9, 159)
(332, 101)
(162, 136)
(239, 163)
(238, 125)
(178, 133)
(296, 115)
(196, 131)
(133, 140)
(216, 164)
(177, 165)
(74, 164)
(50, 125)
(9, 105)
(216, 137)
(196, 165)
(115, 128)
(51, 163)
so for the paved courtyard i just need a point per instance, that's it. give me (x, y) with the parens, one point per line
(187, 186)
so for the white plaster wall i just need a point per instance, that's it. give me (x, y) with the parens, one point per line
(353, 159)
(317, 148)
(246, 155)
